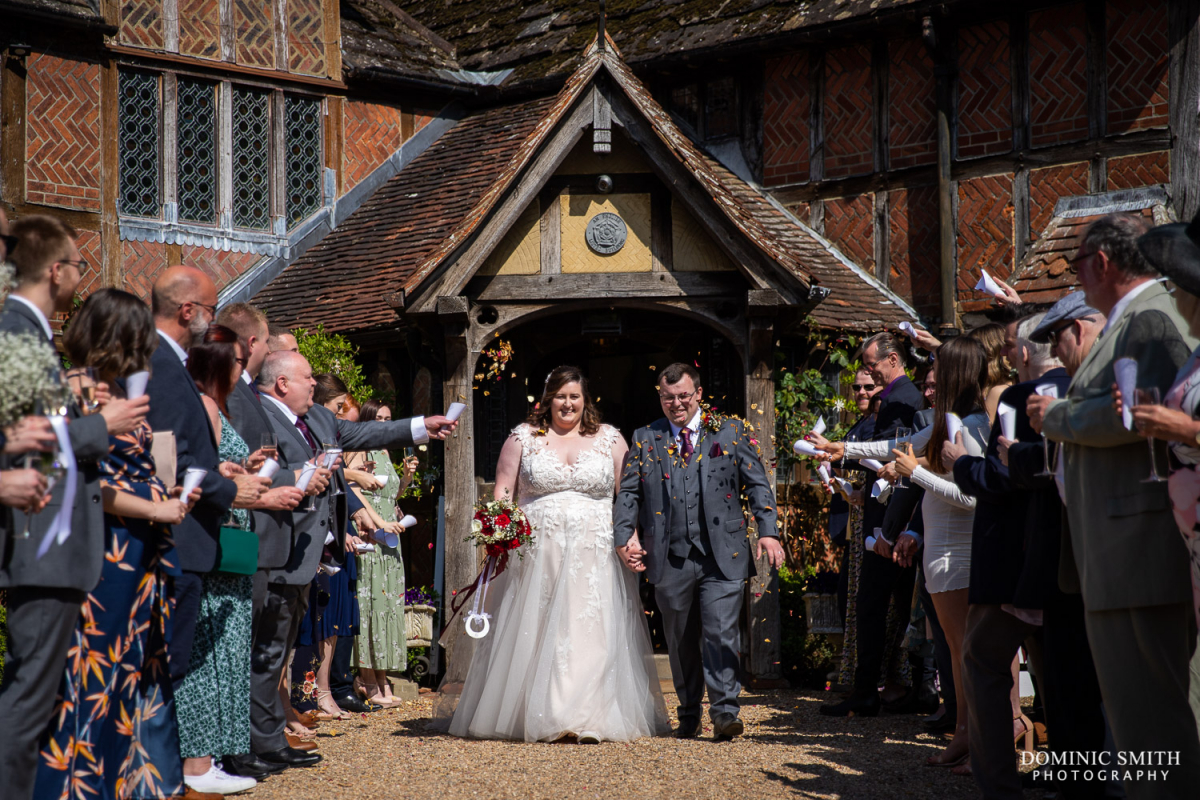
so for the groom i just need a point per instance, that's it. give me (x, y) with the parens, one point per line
(681, 486)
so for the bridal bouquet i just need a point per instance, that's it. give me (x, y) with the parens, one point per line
(29, 379)
(500, 526)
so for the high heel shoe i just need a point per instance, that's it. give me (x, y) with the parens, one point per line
(324, 714)
(1027, 734)
(933, 761)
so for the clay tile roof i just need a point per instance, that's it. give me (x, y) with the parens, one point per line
(539, 39)
(342, 280)
(379, 38)
(87, 11)
(1043, 276)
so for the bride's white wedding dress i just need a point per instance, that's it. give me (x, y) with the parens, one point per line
(569, 650)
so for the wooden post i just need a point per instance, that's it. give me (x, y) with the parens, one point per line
(942, 52)
(1185, 113)
(459, 463)
(111, 268)
(762, 601)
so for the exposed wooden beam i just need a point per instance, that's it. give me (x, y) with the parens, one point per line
(662, 243)
(883, 254)
(12, 130)
(550, 228)
(1184, 66)
(219, 69)
(586, 286)
(112, 260)
(1097, 69)
(816, 117)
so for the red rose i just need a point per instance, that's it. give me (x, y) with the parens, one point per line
(503, 521)
(494, 550)
(513, 544)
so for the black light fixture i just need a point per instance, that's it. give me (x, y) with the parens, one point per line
(18, 50)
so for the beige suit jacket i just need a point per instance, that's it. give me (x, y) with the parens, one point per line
(1127, 548)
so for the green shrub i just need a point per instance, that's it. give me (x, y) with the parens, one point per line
(331, 352)
(805, 658)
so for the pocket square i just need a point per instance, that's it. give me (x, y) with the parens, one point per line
(715, 451)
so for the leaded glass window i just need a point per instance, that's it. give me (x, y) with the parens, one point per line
(196, 147)
(720, 109)
(251, 158)
(139, 143)
(685, 100)
(303, 158)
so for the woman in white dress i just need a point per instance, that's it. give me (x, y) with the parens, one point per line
(569, 651)
(949, 514)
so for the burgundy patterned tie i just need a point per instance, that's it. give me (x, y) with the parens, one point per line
(685, 445)
(308, 437)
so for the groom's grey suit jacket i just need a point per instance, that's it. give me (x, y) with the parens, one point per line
(730, 469)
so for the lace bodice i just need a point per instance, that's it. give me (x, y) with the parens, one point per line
(543, 472)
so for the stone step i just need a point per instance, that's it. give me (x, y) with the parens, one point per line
(403, 688)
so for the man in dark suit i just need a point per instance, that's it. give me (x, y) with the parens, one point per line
(183, 300)
(881, 578)
(44, 595)
(304, 430)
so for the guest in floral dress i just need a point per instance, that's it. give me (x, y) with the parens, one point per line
(113, 734)
(213, 703)
(381, 645)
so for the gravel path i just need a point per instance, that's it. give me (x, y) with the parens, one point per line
(788, 750)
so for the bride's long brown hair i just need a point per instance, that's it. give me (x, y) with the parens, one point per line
(559, 377)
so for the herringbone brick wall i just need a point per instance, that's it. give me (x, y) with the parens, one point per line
(787, 105)
(985, 231)
(913, 247)
(984, 90)
(141, 262)
(1047, 186)
(421, 120)
(850, 225)
(849, 112)
(62, 132)
(219, 265)
(254, 22)
(372, 134)
(801, 211)
(200, 28)
(141, 23)
(1137, 64)
(1133, 172)
(306, 37)
(912, 106)
(90, 248)
(1058, 88)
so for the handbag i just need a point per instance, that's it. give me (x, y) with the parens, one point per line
(239, 551)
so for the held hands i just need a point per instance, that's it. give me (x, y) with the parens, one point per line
(906, 462)
(835, 450)
(882, 548)
(773, 549)
(249, 489)
(122, 416)
(1036, 407)
(1002, 446)
(31, 433)
(24, 489)
(439, 427)
(905, 549)
(953, 451)
(632, 555)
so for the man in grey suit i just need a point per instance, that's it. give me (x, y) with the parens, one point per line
(304, 430)
(682, 486)
(1132, 565)
(44, 595)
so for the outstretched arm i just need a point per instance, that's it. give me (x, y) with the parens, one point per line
(507, 468)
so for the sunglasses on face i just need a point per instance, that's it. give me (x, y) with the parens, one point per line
(863, 387)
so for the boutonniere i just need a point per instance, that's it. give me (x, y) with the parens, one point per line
(710, 420)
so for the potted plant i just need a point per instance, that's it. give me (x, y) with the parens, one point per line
(420, 604)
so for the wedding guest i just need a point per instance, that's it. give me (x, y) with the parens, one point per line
(947, 512)
(124, 625)
(992, 337)
(881, 579)
(381, 643)
(184, 301)
(1132, 566)
(44, 595)
(1067, 675)
(280, 338)
(213, 701)
(1001, 617)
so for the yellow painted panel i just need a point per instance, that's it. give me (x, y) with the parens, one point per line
(520, 251)
(623, 158)
(692, 249)
(633, 209)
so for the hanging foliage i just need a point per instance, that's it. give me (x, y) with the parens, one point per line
(333, 353)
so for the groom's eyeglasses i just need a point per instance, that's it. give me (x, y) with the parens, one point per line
(671, 399)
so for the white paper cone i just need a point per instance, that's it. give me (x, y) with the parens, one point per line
(871, 463)
(805, 448)
(408, 521)
(455, 411)
(330, 569)
(390, 539)
(329, 537)
(383, 479)
(268, 469)
(306, 473)
(1126, 370)
(1008, 421)
(986, 284)
(953, 425)
(1047, 390)
(191, 479)
(823, 470)
(908, 328)
(365, 547)
(135, 384)
(819, 428)
(878, 488)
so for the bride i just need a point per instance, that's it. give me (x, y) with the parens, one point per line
(569, 653)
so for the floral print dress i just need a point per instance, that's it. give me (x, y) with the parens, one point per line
(113, 734)
(382, 641)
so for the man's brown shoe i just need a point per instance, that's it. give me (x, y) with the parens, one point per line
(300, 744)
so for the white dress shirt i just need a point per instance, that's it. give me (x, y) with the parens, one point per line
(693, 426)
(286, 411)
(41, 318)
(246, 377)
(1123, 304)
(179, 351)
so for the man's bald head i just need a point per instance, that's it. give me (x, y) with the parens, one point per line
(287, 377)
(184, 301)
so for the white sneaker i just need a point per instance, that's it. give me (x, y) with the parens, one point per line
(217, 781)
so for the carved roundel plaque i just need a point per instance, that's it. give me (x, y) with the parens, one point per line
(606, 233)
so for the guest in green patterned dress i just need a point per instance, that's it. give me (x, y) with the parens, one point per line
(380, 647)
(213, 703)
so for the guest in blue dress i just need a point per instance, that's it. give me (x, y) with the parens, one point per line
(113, 734)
